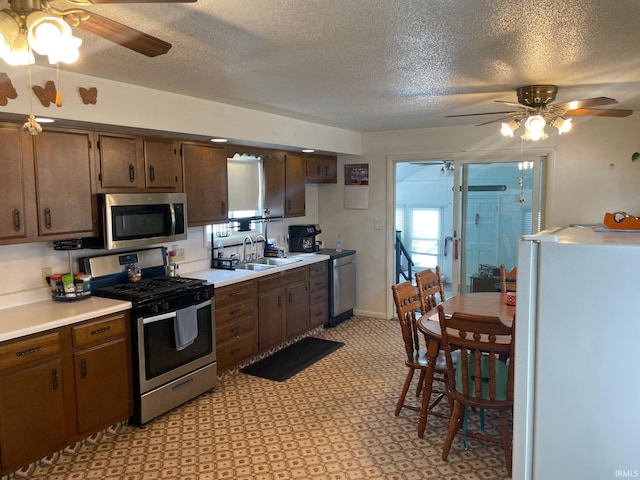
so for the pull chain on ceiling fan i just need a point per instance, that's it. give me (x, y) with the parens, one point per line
(37, 26)
(536, 111)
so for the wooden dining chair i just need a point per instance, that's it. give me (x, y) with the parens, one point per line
(482, 381)
(508, 279)
(431, 289)
(407, 300)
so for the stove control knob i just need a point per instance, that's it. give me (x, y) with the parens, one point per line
(165, 306)
(154, 307)
(196, 296)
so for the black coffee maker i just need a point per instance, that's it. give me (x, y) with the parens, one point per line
(302, 238)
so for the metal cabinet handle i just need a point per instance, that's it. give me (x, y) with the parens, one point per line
(47, 218)
(152, 174)
(83, 368)
(100, 330)
(326, 171)
(16, 220)
(28, 351)
(236, 351)
(234, 311)
(279, 301)
(223, 208)
(235, 329)
(290, 298)
(477, 220)
(132, 173)
(289, 205)
(54, 378)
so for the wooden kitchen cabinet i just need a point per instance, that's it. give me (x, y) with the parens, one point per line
(318, 294)
(205, 183)
(33, 411)
(283, 307)
(163, 169)
(236, 313)
(17, 185)
(61, 386)
(320, 168)
(64, 184)
(284, 175)
(102, 369)
(120, 163)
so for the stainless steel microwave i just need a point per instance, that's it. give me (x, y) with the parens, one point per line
(137, 219)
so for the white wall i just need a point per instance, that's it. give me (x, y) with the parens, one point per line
(590, 173)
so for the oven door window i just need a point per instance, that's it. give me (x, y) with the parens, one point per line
(160, 351)
(140, 221)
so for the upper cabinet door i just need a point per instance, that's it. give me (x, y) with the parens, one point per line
(163, 169)
(64, 184)
(294, 185)
(206, 186)
(121, 166)
(320, 168)
(17, 189)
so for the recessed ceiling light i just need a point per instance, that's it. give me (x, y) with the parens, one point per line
(219, 140)
(44, 120)
(308, 150)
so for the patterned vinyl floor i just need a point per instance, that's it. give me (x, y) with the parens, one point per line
(334, 421)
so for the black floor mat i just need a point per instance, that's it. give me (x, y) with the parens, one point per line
(285, 363)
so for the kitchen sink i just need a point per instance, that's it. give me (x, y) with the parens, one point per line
(266, 263)
(254, 266)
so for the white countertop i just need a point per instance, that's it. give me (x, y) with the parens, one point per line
(221, 277)
(38, 317)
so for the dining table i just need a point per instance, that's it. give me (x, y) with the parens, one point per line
(480, 303)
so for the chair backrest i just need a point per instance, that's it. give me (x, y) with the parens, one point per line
(431, 289)
(484, 341)
(407, 299)
(508, 279)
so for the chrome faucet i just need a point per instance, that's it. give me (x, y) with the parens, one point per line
(244, 248)
(260, 236)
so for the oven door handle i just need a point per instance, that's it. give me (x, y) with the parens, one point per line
(172, 314)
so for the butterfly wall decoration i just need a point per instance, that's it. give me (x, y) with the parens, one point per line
(89, 95)
(48, 94)
(7, 90)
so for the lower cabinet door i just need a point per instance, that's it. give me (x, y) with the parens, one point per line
(103, 385)
(32, 414)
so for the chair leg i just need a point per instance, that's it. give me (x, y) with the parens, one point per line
(506, 439)
(423, 373)
(457, 417)
(405, 389)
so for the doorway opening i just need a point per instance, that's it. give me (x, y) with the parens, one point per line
(466, 215)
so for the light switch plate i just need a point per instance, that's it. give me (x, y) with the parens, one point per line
(378, 224)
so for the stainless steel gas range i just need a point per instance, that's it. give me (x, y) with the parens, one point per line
(173, 328)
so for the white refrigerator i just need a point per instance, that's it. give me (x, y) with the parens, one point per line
(577, 361)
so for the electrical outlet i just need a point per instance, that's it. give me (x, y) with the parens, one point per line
(46, 272)
(279, 240)
(179, 255)
(378, 224)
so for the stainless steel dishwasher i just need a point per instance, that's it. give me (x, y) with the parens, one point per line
(342, 285)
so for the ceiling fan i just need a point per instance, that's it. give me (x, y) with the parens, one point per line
(29, 14)
(536, 111)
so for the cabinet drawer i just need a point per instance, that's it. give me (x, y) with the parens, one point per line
(20, 352)
(318, 314)
(234, 293)
(234, 328)
(318, 297)
(318, 269)
(235, 310)
(98, 330)
(318, 284)
(281, 279)
(234, 351)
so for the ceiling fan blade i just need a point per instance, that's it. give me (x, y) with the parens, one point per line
(494, 121)
(96, 2)
(514, 104)
(485, 113)
(118, 33)
(585, 103)
(598, 112)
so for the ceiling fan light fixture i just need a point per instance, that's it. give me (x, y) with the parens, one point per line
(507, 129)
(562, 124)
(534, 128)
(20, 53)
(9, 30)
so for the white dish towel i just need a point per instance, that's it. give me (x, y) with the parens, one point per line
(186, 327)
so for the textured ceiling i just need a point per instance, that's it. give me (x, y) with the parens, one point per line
(373, 65)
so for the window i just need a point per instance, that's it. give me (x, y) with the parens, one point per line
(246, 185)
(421, 234)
